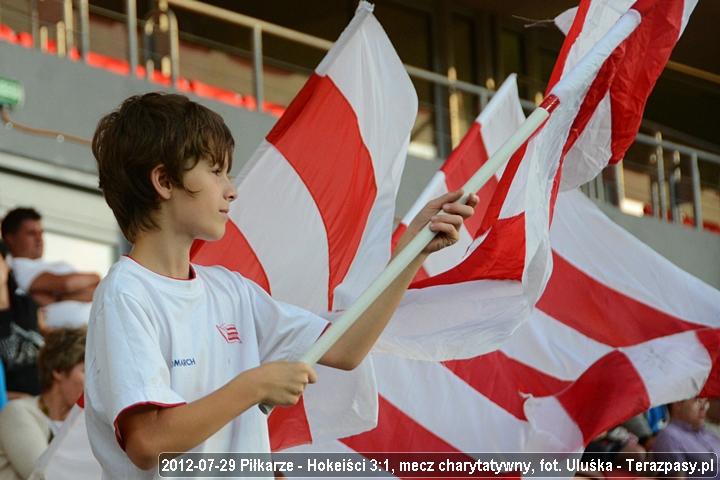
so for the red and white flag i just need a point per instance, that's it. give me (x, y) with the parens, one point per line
(612, 113)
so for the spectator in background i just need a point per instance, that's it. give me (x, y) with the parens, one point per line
(712, 417)
(647, 424)
(3, 392)
(65, 293)
(617, 446)
(20, 339)
(28, 424)
(686, 434)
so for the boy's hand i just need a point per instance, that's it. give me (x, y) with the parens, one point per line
(447, 223)
(282, 383)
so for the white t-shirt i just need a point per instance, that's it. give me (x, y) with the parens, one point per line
(154, 339)
(68, 313)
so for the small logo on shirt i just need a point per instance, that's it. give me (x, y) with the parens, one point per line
(229, 332)
(183, 362)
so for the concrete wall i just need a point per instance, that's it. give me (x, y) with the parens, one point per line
(693, 251)
(70, 96)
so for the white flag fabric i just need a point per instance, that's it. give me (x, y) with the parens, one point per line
(611, 117)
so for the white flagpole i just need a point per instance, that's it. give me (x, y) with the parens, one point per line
(417, 244)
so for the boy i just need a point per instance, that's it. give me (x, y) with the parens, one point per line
(179, 355)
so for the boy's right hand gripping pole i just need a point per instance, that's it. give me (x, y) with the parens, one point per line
(417, 244)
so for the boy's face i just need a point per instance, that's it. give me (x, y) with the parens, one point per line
(201, 210)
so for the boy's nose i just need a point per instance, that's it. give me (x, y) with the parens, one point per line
(231, 193)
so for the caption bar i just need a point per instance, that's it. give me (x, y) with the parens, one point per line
(427, 465)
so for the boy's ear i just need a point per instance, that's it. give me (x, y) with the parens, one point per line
(161, 182)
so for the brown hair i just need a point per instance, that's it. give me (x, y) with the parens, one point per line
(144, 132)
(14, 219)
(64, 348)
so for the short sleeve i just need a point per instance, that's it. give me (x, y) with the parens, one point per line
(285, 332)
(126, 367)
(26, 271)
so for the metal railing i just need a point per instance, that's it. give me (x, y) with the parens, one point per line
(663, 200)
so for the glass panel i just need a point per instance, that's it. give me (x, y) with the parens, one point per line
(463, 37)
(512, 51)
(411, 34)
(84, 255)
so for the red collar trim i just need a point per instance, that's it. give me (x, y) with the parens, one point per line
(191, 276)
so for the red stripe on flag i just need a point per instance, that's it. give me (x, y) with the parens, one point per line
(504, 380)
(399, 231)
(599, 87)
(573, 33)
(493, 210)
(397, 432)
(602, 313)
(612, 387)
(405, 440)
(647, 51)
(462, 163)
(710, 339)
(501, 256)
(233, 252)
(320, 138)
(289, 427)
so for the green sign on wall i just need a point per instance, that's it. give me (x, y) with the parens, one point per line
(11, 92)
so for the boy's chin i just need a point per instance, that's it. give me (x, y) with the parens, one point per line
(212, 236)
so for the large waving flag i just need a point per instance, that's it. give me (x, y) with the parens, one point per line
(612, 113)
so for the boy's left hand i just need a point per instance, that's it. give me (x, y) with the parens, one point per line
(447, 223)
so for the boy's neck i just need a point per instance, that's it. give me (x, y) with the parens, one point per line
(166, 256)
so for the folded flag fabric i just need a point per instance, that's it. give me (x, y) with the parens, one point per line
(611, 116)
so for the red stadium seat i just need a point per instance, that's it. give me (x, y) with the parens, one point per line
(205, 90)
(159, 78)
(271, 108)
(110, 64)
(7, 34)
(274, 109)
(25, 39)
